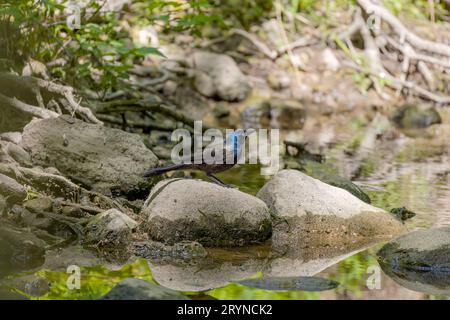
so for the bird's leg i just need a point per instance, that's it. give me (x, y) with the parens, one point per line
(218, 181)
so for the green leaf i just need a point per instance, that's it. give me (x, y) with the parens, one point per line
(145, 51)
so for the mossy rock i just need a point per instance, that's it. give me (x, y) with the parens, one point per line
(413, 116)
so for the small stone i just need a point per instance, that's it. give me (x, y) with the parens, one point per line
(278, 81)
(221, 111)
(39, 205)
(111, 228)
(413, 116)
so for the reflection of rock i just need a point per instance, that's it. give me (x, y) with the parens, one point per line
(59, 259)
(136, 289)
(420, 260)
(222, 266)
(111, 228)
(281, 114)
(315, 255)
(218, 75)
(203, 274)
(19, 250)
(308, 206)
(181, 209)
(108, 160)
(411, 116)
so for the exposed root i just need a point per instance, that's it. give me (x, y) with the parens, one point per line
(411, 48)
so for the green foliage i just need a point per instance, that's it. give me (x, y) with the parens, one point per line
(177, 16)
(99, 53)
(420, 9)
(95, 281)
(243, 12)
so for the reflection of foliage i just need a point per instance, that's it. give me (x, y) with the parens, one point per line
(95, 281)
(237, 291)
(351, 272)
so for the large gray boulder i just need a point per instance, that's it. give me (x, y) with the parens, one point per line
(136, 289)
(195, 210)
(106, 160)
(217, 75)
(419, 260)
(310, 208)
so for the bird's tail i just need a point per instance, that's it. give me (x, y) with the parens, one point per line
(161, 170)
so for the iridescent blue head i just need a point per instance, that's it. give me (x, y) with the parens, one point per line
(236, 140)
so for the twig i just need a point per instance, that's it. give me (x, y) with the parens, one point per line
(134, 105)
(261, 46)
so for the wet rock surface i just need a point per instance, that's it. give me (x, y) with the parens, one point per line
(180, 250)
(305, 205)
(107, 160)
(419, 260)
(184, 209)
(135, 289)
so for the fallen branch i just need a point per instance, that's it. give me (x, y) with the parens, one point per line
(261, 46)
(416, 41)
(134, 105)
(70, 103)
(27, 108)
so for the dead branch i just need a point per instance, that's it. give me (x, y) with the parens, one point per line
(27, 108)
(69, 102)
(135, 105)
(416, 41)
(261, 46)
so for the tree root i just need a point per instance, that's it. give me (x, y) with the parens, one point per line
(408, 46)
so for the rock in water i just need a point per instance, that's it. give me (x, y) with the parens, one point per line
(11, 192)
(412, 116)
(419, 260)
(194, 210)
(136, 289)
(106, 160)
(19, 250)
(218, 75)
(309, 208)
(111, 228)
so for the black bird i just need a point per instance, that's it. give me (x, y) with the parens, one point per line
(232, 148)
